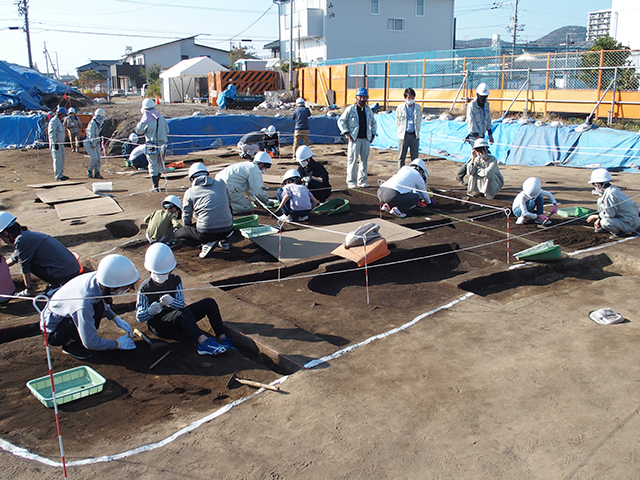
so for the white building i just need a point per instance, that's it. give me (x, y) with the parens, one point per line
(333, 29)
(625, 18)
(598, 24)
(168, 54)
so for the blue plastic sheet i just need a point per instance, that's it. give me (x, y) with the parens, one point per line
(16, 131)
(189, 134)
(24, 86)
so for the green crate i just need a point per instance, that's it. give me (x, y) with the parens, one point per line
(333, 206)
(245, 222)
(253, 232)
(70, 385)
(542, 252)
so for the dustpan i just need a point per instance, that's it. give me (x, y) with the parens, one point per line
(333, 206)
(581, 212)
(542, 252)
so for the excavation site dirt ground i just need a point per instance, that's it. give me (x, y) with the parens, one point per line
(438, 361)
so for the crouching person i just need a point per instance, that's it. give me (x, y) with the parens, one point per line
(73, 315)
(405, 190)
(162, 306)
(296, 201)
(617, 213)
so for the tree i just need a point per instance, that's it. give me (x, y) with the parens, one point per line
(614, 54)
(152, 76)
(237, 53)
(285, 66)
(89, 79)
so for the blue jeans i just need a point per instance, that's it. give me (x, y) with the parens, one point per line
(535, 205)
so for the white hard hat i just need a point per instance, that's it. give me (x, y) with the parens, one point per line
(148, 104)
(481, 142)
(262, 157)
(600, 175)
(417, 162)
(531, 187)
(159, 259)
(6, 220)
(72, 110)
(483, 90)
(289, 174)
(270, 130)
(197, 170)
(300, 101)
(100, 113)
(172, 200)
(115, 271)
(133, 138)
(303, 153)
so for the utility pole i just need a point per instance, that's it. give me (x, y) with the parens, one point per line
(23, 10)
(515, 28)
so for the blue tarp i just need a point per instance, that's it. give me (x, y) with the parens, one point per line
(20, 86)
(16, 131)
(198, 132)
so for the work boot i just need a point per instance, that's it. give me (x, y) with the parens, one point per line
(97, 175)
(89, 174)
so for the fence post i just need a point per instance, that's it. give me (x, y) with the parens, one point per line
(526, 101)
(613, 96)
(424, 72)
(504, 62)
(600, 77)
(546, 85)
(387, 67)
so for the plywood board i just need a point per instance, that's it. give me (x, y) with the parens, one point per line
(55, 184)
(88, 208)
(315, 242)
(65, 194)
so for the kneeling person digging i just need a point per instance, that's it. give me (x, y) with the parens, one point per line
(161, 304)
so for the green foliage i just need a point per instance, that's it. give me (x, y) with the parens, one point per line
(285, 66)
(237, 53)
(613, 55)
(89, 79)
(152, 73)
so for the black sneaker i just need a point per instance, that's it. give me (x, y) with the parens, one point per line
(77, 351)
(62, 178)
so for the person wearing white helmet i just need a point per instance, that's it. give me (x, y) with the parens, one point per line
(252, 143)
(408, 119)
(617, 213)
(246, 178)
(484, 174)
(313, 174)
(300, 119)
(162, 306)
(296, 201)
(93, 141)
(208, 200)
(38, 254)
(162, 224)
(56, 134)
(358, 124)
(74, 313)
(155, 129)
(73, 125)
(407, 189)
(529, 203)
(478, 122)
(271, 140)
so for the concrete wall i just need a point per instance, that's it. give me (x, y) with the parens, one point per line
(625, 18)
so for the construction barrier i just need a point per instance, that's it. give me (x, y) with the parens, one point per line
(246, 82)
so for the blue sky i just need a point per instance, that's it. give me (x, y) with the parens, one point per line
(75, 31)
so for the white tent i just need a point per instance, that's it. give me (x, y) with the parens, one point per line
(179, 82)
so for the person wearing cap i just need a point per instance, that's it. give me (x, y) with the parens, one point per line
(482, 168)
(408, 119)
(271, 140)
(301, 124)
(208, 200)
(155, 129)
(529, 203)
(617, 213)
(73, 124)
(407, 189)
(245, 178)
(74, 313)
(162, 224)
(161, 305)
(296, 201)
(93, 141)
(358, 124)
(313, 174)
(130, 145)
(252, 143)
(38, 254)
(56, 134)
(478, 122)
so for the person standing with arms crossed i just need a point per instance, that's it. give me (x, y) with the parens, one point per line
(408, 118)
(358, 124)
(56, 143)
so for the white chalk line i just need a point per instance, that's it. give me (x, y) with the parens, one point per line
(26, 454)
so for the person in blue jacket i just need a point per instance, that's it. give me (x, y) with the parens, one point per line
(301, 124)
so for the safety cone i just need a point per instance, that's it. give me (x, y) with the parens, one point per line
(157, 100)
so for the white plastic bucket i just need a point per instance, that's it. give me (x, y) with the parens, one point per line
(102, 187)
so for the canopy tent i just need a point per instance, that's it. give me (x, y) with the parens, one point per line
(179, 81)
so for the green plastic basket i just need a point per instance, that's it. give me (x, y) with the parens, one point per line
(253, 232)
(245, 222)
(333, 206)
(545, 251)
(70, 385)
(581, 212)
